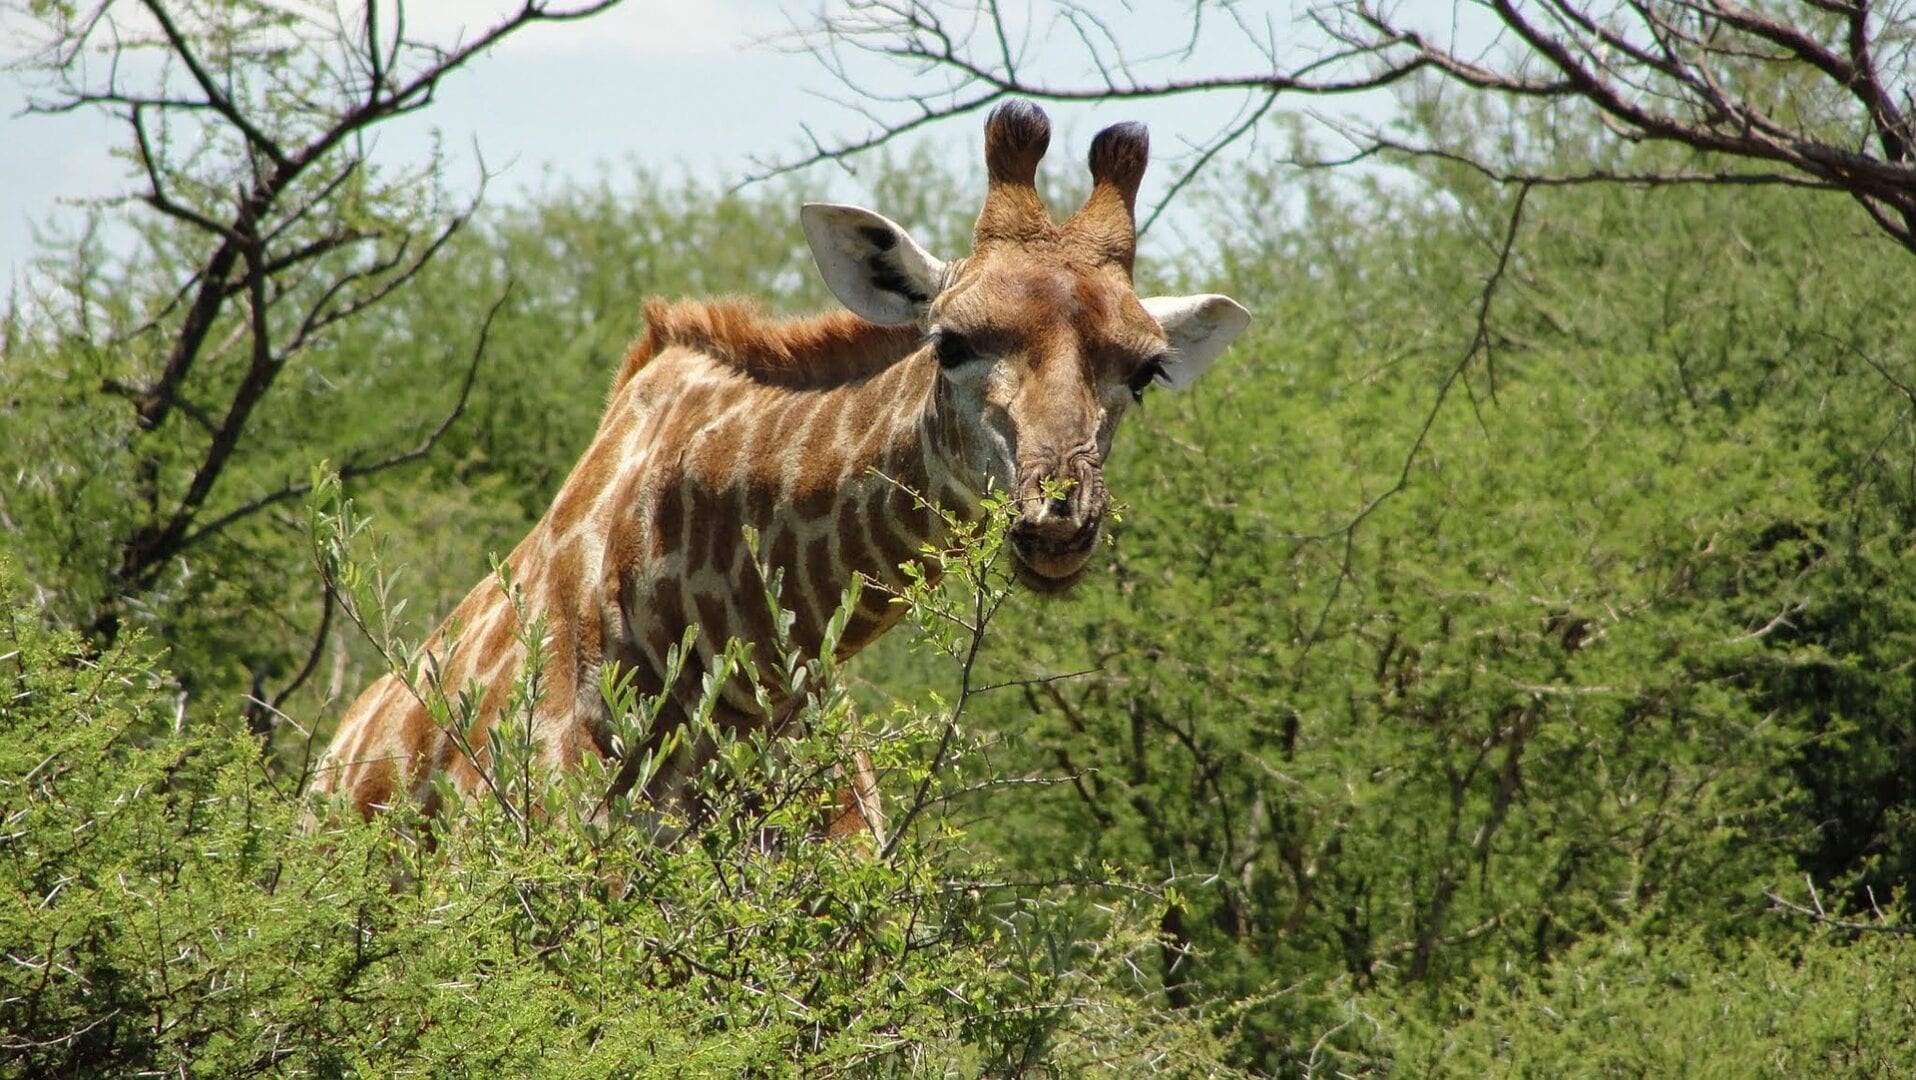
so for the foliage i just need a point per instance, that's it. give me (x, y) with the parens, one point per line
(1490, 651)
(170, 911)
(1418, 660)
(1628, 1004)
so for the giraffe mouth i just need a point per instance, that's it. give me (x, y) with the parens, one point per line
(1056, 529)
(1045, 584)
(1049, 566)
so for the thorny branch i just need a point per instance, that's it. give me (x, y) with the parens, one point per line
(1822, 98)
(1815, 911)
(1480, 347)
(251, 136)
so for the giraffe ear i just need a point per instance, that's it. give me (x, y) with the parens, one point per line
(1200, 327)
(870, 263)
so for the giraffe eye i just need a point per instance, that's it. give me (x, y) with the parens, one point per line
(952, 348)
(1152, 371)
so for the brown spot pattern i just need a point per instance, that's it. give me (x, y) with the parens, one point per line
(720, 415)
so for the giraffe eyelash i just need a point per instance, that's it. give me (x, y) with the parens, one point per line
(1151, 371)
(952, 349)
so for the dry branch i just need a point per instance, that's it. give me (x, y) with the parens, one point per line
(1820, 97)
(250, 138)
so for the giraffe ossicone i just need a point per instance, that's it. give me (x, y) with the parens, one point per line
(1007, 369)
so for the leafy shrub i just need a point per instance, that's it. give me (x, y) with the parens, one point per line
(1824, 1003)
(172, 914)
(1418, 660)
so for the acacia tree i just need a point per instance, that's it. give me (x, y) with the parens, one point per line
(1817, 96)
(263, 225)
(1810, 93)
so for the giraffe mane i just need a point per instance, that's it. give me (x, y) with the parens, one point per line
(824, 350)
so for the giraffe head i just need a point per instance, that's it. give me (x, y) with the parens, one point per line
(1041, 340)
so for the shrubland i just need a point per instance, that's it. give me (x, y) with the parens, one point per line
(1471, 663)
(1502, 665)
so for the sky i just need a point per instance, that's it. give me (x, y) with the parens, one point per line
(693, 87)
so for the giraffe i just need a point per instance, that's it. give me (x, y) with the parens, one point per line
(1008, 369)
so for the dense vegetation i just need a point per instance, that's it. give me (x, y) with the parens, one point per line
(1503, 666)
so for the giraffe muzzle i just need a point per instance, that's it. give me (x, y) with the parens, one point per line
(1060, 517)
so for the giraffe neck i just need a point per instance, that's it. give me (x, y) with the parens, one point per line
(841, 483)
(893, 457)
(645, 541)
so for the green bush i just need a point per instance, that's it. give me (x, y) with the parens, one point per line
(1450, 697)
(1787, 1004)
(169, 912)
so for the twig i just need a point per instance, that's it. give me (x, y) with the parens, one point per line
(1817, 914)
(1479, 345)
(352, 469)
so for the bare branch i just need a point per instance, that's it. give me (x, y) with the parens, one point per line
(1480, 344)
(268, 177)
(357, 467)
(1375, 144)
(1190, 172)
(1776, 99)
(328, 603)
(1814, 911)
